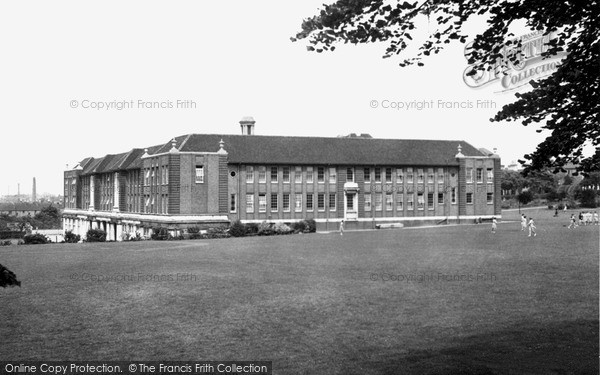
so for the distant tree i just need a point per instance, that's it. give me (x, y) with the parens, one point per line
(525, 197)
(511, 180)
(567, 102)
(587, 198)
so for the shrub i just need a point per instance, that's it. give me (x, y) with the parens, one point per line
(6, 234)
(95, 235)
(312, 225)
(71, 237)
(251, 229)
(237, 229)
(561, 206)
(299, 226)
(160, 234)
(35, 239)
(550, 206)
(216, 233)
(265, 229)
(282, 228)
(6, 243)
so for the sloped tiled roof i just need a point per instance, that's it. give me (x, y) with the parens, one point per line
(257, 149)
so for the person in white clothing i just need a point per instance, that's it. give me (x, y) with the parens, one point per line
(531, 227)
(523, 222)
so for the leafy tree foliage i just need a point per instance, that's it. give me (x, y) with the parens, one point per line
(525, 197)
(566, 103)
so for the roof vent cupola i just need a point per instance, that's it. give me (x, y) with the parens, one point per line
(247, 125)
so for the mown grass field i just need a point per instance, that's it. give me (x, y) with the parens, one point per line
(318, 303)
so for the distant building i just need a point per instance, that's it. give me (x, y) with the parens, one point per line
(203, 180)
(20, 209)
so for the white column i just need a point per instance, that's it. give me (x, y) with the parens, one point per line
(92, 195)
(116, 192)
(119, 232)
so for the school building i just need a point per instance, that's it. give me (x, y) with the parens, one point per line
(206, 180)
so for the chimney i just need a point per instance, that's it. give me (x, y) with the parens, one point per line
(247, 125)
(33, 192)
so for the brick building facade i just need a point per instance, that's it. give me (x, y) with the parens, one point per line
(204, 180)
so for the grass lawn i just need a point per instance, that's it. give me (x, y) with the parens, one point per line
(317, 303)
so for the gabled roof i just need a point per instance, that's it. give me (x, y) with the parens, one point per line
(257, 149)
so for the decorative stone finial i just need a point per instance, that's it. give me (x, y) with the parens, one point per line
(460, 154)
(173, 146)
(222, 147)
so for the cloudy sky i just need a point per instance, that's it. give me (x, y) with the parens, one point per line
(232, 59)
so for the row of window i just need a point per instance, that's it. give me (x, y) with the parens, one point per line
(479, 175)
(376, 174)
(286, 202)
(156, 206)
(158, 175)
(371, 201)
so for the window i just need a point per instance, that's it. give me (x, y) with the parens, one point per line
(469, 198)
(400, 202)
(388, 175)
(368, 202)
(147, 205)
(249, 203)
(430, 201)
(262, 174)
(409, 175)
(331, 201)
(389, 201)
(420, 201)
(249, 174)
(430, 176)
(469, 175)
(151, 177)
(440, 198)
(233, 203)
(320, 174)
(479, 175)
(298, 175)
(377, 174)
(309, 175)
(262, 203)
(147, 177)
(166, 174)
(274, 202)
(440, 175)
(286, 175)
(309, 202)
(349, 174)
(367, 174)
(274, 172)
(410, 202)
(332, 176)
(490, 198)
(453, 195)
(298, 202)
(378, 201)
(420, 176)
(399, 176)
(490, 175)
(321, 202)
(286, 203)
(199, 174)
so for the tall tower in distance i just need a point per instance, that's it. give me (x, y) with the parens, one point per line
(33, 192)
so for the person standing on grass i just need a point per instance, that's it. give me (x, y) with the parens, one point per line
(342, 228)
(573, 223)
(531, 227)
(494, 224)
(523, 222)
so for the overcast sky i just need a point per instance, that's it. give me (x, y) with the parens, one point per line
(232, 59)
